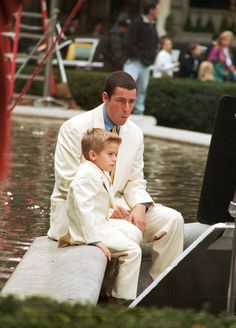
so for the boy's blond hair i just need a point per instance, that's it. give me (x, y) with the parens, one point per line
(95, 139)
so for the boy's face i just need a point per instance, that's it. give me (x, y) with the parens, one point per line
(106, 159)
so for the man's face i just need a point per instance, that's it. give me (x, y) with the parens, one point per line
(120, 105)
(155, 12)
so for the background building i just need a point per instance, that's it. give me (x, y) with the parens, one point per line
(183, 20)
(197, 19)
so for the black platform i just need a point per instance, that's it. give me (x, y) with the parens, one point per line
(197, 277)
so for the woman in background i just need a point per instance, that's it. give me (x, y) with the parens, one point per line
(221, 57)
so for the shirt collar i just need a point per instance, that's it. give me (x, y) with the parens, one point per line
(145, 20)
(108, 122)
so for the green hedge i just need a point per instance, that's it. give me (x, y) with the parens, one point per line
(179, 103)
(38, 312)
(186, 104)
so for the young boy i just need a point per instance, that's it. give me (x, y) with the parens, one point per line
(88, 202)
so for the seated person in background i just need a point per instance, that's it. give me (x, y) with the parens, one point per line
(205, 71)
(191, 61)
(221, 57)
(88, 201)
(98, 29)
(164, 65)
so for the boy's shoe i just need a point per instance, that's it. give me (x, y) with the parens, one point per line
(118, 301)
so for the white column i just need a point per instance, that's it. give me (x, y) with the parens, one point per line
(165, 6)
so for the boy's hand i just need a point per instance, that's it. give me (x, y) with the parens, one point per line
(120, 213)
(105, 250)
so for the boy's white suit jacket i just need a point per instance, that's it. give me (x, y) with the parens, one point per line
(129, 184)
(88, 201)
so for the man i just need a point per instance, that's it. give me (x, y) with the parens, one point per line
(160, 225)
(141, 49)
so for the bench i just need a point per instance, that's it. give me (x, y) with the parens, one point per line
(73, 273)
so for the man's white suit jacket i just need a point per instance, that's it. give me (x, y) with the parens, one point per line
(129, 184)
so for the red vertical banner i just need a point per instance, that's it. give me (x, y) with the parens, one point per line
(7, 9)
(4, 115)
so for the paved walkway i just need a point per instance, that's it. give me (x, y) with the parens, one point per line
(146, 123)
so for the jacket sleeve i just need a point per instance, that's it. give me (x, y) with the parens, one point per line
(67, 158)
(135, 189)
(80, 207)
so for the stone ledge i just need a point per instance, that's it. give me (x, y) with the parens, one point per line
(74, 273)
(65, 274)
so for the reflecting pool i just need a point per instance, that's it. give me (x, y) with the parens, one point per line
(174, 173)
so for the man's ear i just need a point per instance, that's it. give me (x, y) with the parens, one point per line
(104, 96)
(92, 155)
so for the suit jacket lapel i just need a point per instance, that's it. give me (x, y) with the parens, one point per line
(98, 121)
(108, 186)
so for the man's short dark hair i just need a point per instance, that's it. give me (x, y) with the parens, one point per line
(118, 79)
(148, 5)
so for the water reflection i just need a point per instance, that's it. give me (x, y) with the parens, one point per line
(174, 173)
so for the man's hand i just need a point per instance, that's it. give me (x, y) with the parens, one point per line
(105, 250)
(138, 216)
(120, 213)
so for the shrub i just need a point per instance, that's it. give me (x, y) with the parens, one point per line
(179, 103)
(38, 312)
(186, 104)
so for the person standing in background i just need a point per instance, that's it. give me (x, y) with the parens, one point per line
(164, 65)
(141, 47)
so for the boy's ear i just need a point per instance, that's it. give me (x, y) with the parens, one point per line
(92, 155)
